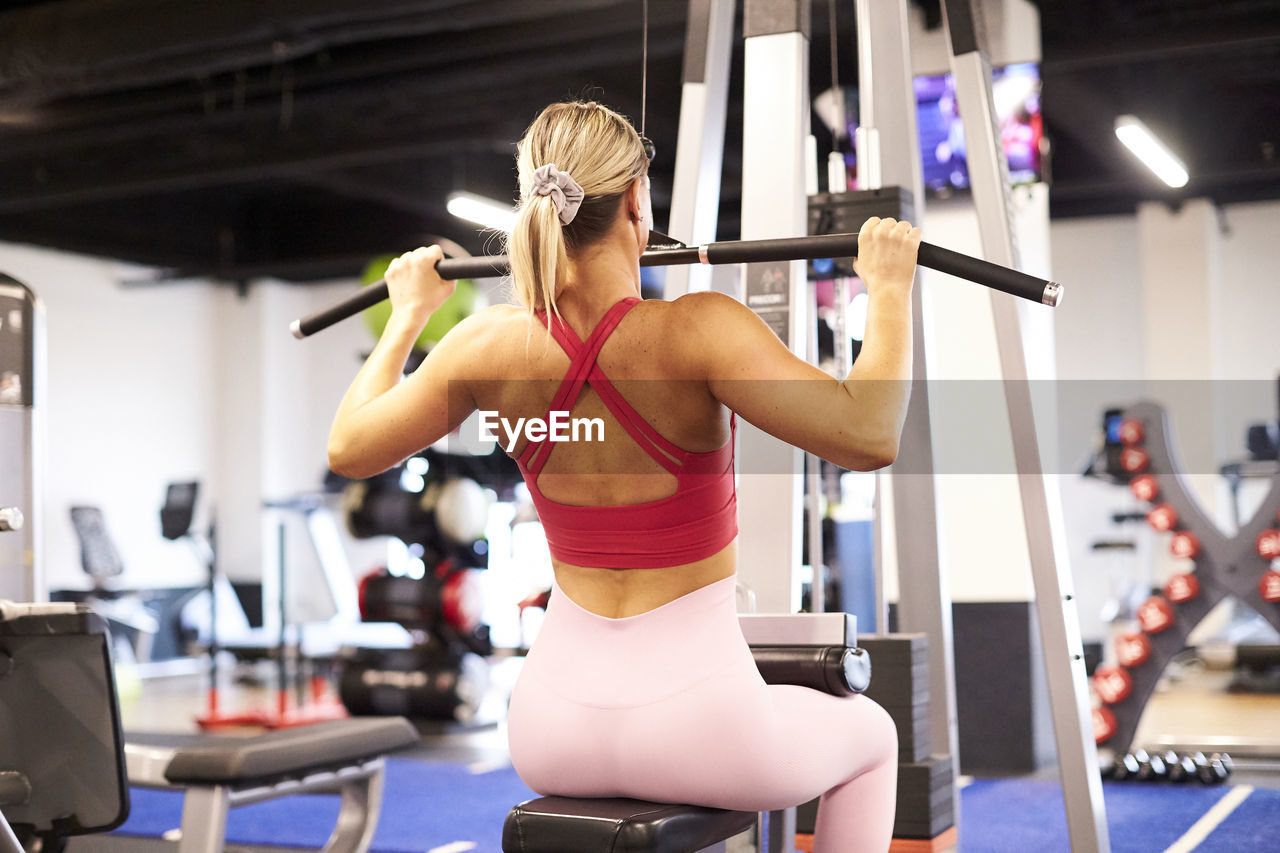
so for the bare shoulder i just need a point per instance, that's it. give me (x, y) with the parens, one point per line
(484, 327)
(704, 313)
(479, 340)
(690, 328)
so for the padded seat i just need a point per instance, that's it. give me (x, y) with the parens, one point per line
(570, 825)
(289, 752)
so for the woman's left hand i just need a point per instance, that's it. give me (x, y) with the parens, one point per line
(416, 289)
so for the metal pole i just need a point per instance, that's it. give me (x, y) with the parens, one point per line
(704, 97)
(1055, 594)
(775, 132)
(888, 110)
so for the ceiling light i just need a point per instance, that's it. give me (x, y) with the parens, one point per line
(481, 210)
(1139, 139)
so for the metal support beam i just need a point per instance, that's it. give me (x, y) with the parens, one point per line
(1051, 576)
(695, 192)
(775, 126)
(888, 111)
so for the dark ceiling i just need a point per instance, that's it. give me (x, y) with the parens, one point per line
(298, 138)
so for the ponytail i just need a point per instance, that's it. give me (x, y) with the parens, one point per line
(536, 248)
(603, 154)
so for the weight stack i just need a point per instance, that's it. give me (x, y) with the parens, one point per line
(900, 685)
(926, 807)
(926, 802)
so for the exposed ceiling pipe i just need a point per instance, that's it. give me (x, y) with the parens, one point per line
(79, 47)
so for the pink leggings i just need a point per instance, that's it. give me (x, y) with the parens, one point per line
(669, 706)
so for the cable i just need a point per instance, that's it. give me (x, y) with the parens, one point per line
(837, 96)
(644, 63)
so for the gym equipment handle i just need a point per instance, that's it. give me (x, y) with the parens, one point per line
(838, 670)
(728, 252)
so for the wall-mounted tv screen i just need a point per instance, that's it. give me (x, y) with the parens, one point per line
(1016, 96)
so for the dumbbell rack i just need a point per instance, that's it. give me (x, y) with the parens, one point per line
(1240, 565)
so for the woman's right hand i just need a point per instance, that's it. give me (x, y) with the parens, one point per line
(887, 255)
(415, 286)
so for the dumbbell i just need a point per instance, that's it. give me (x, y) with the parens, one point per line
(1151, 768)
(1181, 767)
(1227, 763)
(1210, 771)
(1126, 767)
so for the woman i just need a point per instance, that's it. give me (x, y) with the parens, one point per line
(640, 683)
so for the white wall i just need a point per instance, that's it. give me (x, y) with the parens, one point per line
(1139, 290)
(129, 407)
(147, 385)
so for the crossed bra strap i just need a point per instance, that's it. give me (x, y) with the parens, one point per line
(583, 370)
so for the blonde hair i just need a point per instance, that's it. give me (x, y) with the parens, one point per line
(603, 153)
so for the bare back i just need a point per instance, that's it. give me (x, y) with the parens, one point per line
(521, 372)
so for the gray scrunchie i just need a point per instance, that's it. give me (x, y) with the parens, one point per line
(565, 193)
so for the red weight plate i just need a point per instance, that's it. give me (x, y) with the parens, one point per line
(1182, 588)
(1269, 587)
(1144, 487)
(1163, 518)
(1134, 460)
(1185, 544)
(1112, 684)
(1104, 725)
(1131, 431)
(1132, 649)
(1268, 544)
(1155, 615)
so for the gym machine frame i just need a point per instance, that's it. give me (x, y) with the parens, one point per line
(1041, 505)
(21, 444)
(776, 50)
(776, 80)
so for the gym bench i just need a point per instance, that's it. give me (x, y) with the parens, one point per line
(219, 773)
(63, 758)
(817, 651)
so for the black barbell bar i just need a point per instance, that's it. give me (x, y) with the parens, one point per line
(664, 251)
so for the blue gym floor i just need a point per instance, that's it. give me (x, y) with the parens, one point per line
(448, 807)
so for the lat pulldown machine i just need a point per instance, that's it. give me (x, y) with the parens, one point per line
(774, 213)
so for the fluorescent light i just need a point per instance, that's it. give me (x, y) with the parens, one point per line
(1139, 139)
(482, 211)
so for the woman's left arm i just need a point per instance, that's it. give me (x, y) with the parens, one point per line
(382, 420)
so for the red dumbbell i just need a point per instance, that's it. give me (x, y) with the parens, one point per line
(1134, 460)
(1163, 518)
(1155, 614)
(1112, 684)
(1268, 544)
(1185, 544)
(1144, 487)
(1104, 725)
(1182, 588)
(1269, 587)
(1131, 431)
(1132, 649)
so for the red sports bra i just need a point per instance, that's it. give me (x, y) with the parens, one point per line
(697, 521)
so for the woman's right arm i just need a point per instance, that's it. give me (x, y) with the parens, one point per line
(855, 423)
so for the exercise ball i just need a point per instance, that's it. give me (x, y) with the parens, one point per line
(460, 304)
(462, 510)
